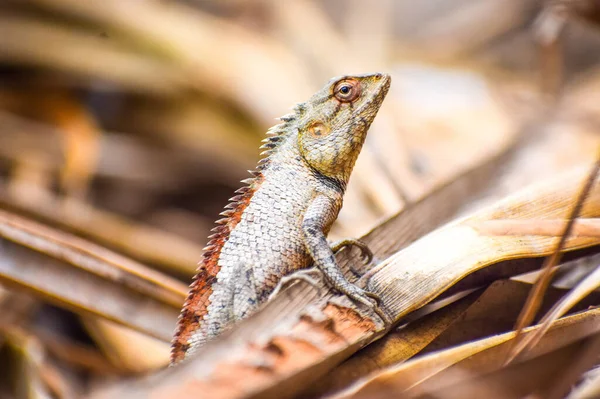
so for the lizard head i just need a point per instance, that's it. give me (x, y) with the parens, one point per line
(333, 123)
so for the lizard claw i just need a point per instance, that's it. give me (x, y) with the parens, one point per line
(365, 253)
(374, 297)
(377, 308)
(371, 300)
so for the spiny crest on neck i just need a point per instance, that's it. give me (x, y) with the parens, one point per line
(275, 136)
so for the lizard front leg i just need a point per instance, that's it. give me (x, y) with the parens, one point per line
(320, 212)
(308, 275)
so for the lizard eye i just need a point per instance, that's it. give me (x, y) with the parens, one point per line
(346, 90)
(318, 130)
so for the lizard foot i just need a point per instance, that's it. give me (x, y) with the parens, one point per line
(311, 276)
(368, 299)
(365, 253)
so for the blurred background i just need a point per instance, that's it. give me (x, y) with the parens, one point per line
(130, 123)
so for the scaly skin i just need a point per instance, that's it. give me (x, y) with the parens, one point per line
(279, 222)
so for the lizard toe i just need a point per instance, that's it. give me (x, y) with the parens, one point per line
(373, 301)
(366, 254)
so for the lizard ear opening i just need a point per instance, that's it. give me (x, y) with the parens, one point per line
(318, 130)
(321, 146)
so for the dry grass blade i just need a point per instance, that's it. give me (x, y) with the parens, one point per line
(301, 334)
(548, 31)
(21, 377)
(75, 273)
(534, 300)
(583, 289)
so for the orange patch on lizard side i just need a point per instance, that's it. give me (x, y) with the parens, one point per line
(196, 305)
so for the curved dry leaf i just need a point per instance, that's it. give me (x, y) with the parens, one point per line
(130, 351)
(207, 52)
(300, 334)
(395, 347)
(585, 227)
(24, 41)
(142, 242)
(121, 157)
(494, 313)
(87, 278)
(479, 315)
(78, 136)
(428, 373)
(461, 249)
(76, 354)
(531, 378)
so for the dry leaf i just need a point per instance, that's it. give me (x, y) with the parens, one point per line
(77, 274)
(326, 329)
(433, 372)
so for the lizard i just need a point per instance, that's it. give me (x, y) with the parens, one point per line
(278, 222)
